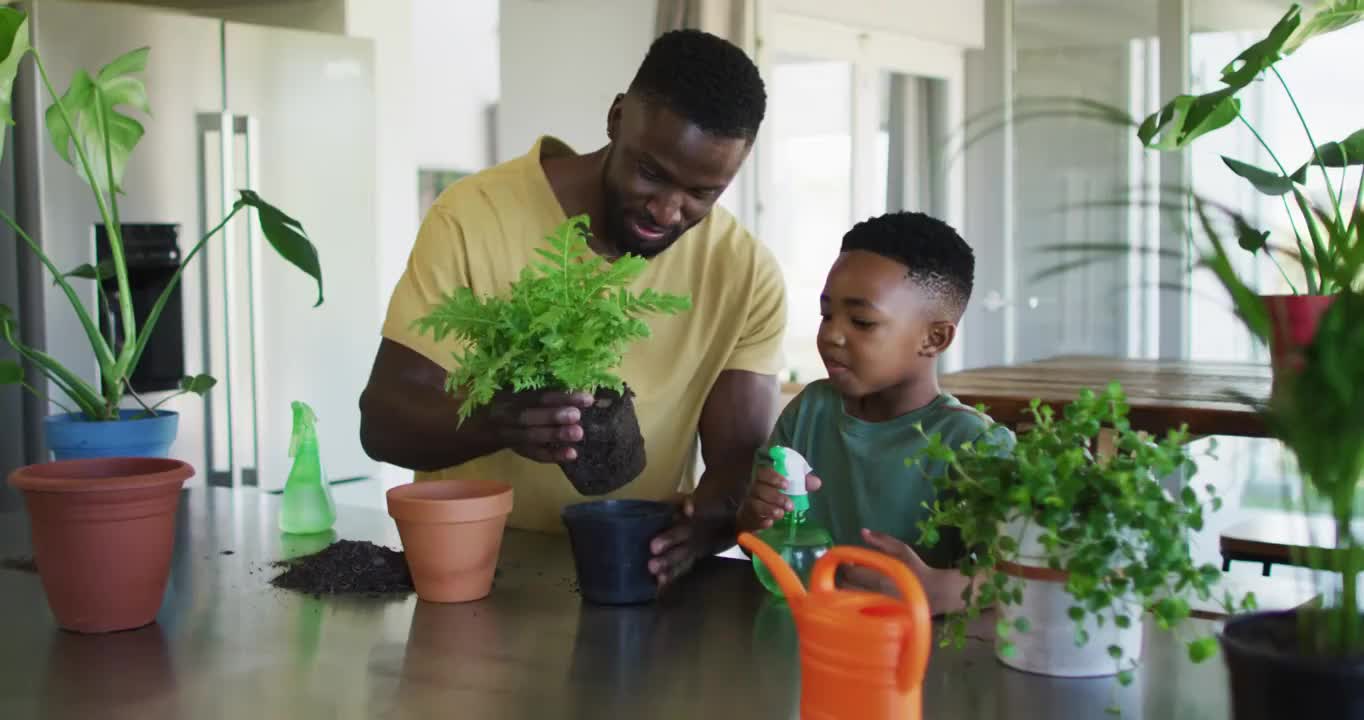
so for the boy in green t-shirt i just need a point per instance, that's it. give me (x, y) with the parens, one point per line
(890, 307)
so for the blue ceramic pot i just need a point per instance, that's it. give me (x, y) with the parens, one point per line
(71, 437)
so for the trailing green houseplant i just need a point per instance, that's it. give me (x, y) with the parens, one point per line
(564, 325)
(90, 131)
(1068, 534)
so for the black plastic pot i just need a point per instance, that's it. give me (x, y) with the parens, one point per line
(610, 540)
(1272, 680)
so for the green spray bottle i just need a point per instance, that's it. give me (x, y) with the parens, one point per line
(307, 506)
(799, 540)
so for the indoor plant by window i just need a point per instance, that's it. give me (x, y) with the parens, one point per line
(90, 130)
(1071, 544)
(563, 326)
(1321, 231)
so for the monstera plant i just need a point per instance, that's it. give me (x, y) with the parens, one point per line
(91, 129)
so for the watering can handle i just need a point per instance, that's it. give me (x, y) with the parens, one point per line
(917, 638)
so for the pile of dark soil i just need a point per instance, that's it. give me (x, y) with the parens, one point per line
(347, 567)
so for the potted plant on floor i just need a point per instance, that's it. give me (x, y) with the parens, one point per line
(1071, 544)
(90, 131)
(1320, 231)
(564, 325)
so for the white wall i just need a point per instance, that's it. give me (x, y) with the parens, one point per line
(954, 22)
(562, 63)
(455, 49)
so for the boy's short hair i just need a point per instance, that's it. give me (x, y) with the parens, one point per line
(938, 260)
(705, 79)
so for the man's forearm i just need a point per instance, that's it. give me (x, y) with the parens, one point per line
(422, 432)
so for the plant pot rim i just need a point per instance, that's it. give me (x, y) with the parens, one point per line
(1300, 296)
(449, 501)
(1341, 666)
(604, 510)
(79, 417)
(97, 475)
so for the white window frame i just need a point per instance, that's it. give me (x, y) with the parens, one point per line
(868, 51)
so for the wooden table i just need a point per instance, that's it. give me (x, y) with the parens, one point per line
(1162, 394)
(1281, 538)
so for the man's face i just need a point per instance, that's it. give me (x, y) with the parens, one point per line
(662, 175)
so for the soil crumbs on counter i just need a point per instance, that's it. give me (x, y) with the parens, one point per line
(22, 564)
(347, 567)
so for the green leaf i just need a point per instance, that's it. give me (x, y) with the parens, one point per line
(1188, 117)
(1008, 650)
(1268, 183)
(1332, 17)
(1257, 58)
(1342, 153)
(197, 384)
(1202, 649)
(11, 373)
(104, 271)
(13, 46)
(1115, 652)
(1076, 613)
(1022, 624)
(287, 237)
(85, 100)
(1123, 621)
(1125, 678)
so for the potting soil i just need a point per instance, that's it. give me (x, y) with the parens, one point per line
(612, 451)
(347, 567)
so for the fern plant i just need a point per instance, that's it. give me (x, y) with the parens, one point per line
(564, 324)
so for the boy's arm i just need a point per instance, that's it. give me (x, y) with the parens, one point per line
(943, 586)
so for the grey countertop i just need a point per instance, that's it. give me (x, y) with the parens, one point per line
(227, 645)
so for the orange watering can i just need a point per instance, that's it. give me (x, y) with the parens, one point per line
(862, 655)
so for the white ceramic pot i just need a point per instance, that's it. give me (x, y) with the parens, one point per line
(1048, 648)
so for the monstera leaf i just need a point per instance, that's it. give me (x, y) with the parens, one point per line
(13, 46)
(1258, 57)
(1332, 17)
(1345, 153)
(90, 106)
(1188, 117)
(287, 236)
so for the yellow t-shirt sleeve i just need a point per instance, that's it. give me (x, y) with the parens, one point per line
(759, 349)
(436, 266)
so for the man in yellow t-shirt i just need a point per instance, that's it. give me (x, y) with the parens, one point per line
(676, 139)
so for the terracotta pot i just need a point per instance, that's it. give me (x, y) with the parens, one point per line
(103, 531)
(1293, 323)
(452, 533)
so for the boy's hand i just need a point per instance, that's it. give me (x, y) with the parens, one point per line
(766, 503)
(943, 587)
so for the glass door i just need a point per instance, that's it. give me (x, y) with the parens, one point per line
(854, 126)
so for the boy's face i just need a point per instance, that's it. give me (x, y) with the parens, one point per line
(879, 329)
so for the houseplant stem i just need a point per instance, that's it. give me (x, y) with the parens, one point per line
(1316, 152)
(107, 365)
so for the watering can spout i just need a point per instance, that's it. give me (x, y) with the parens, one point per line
(781, 572)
